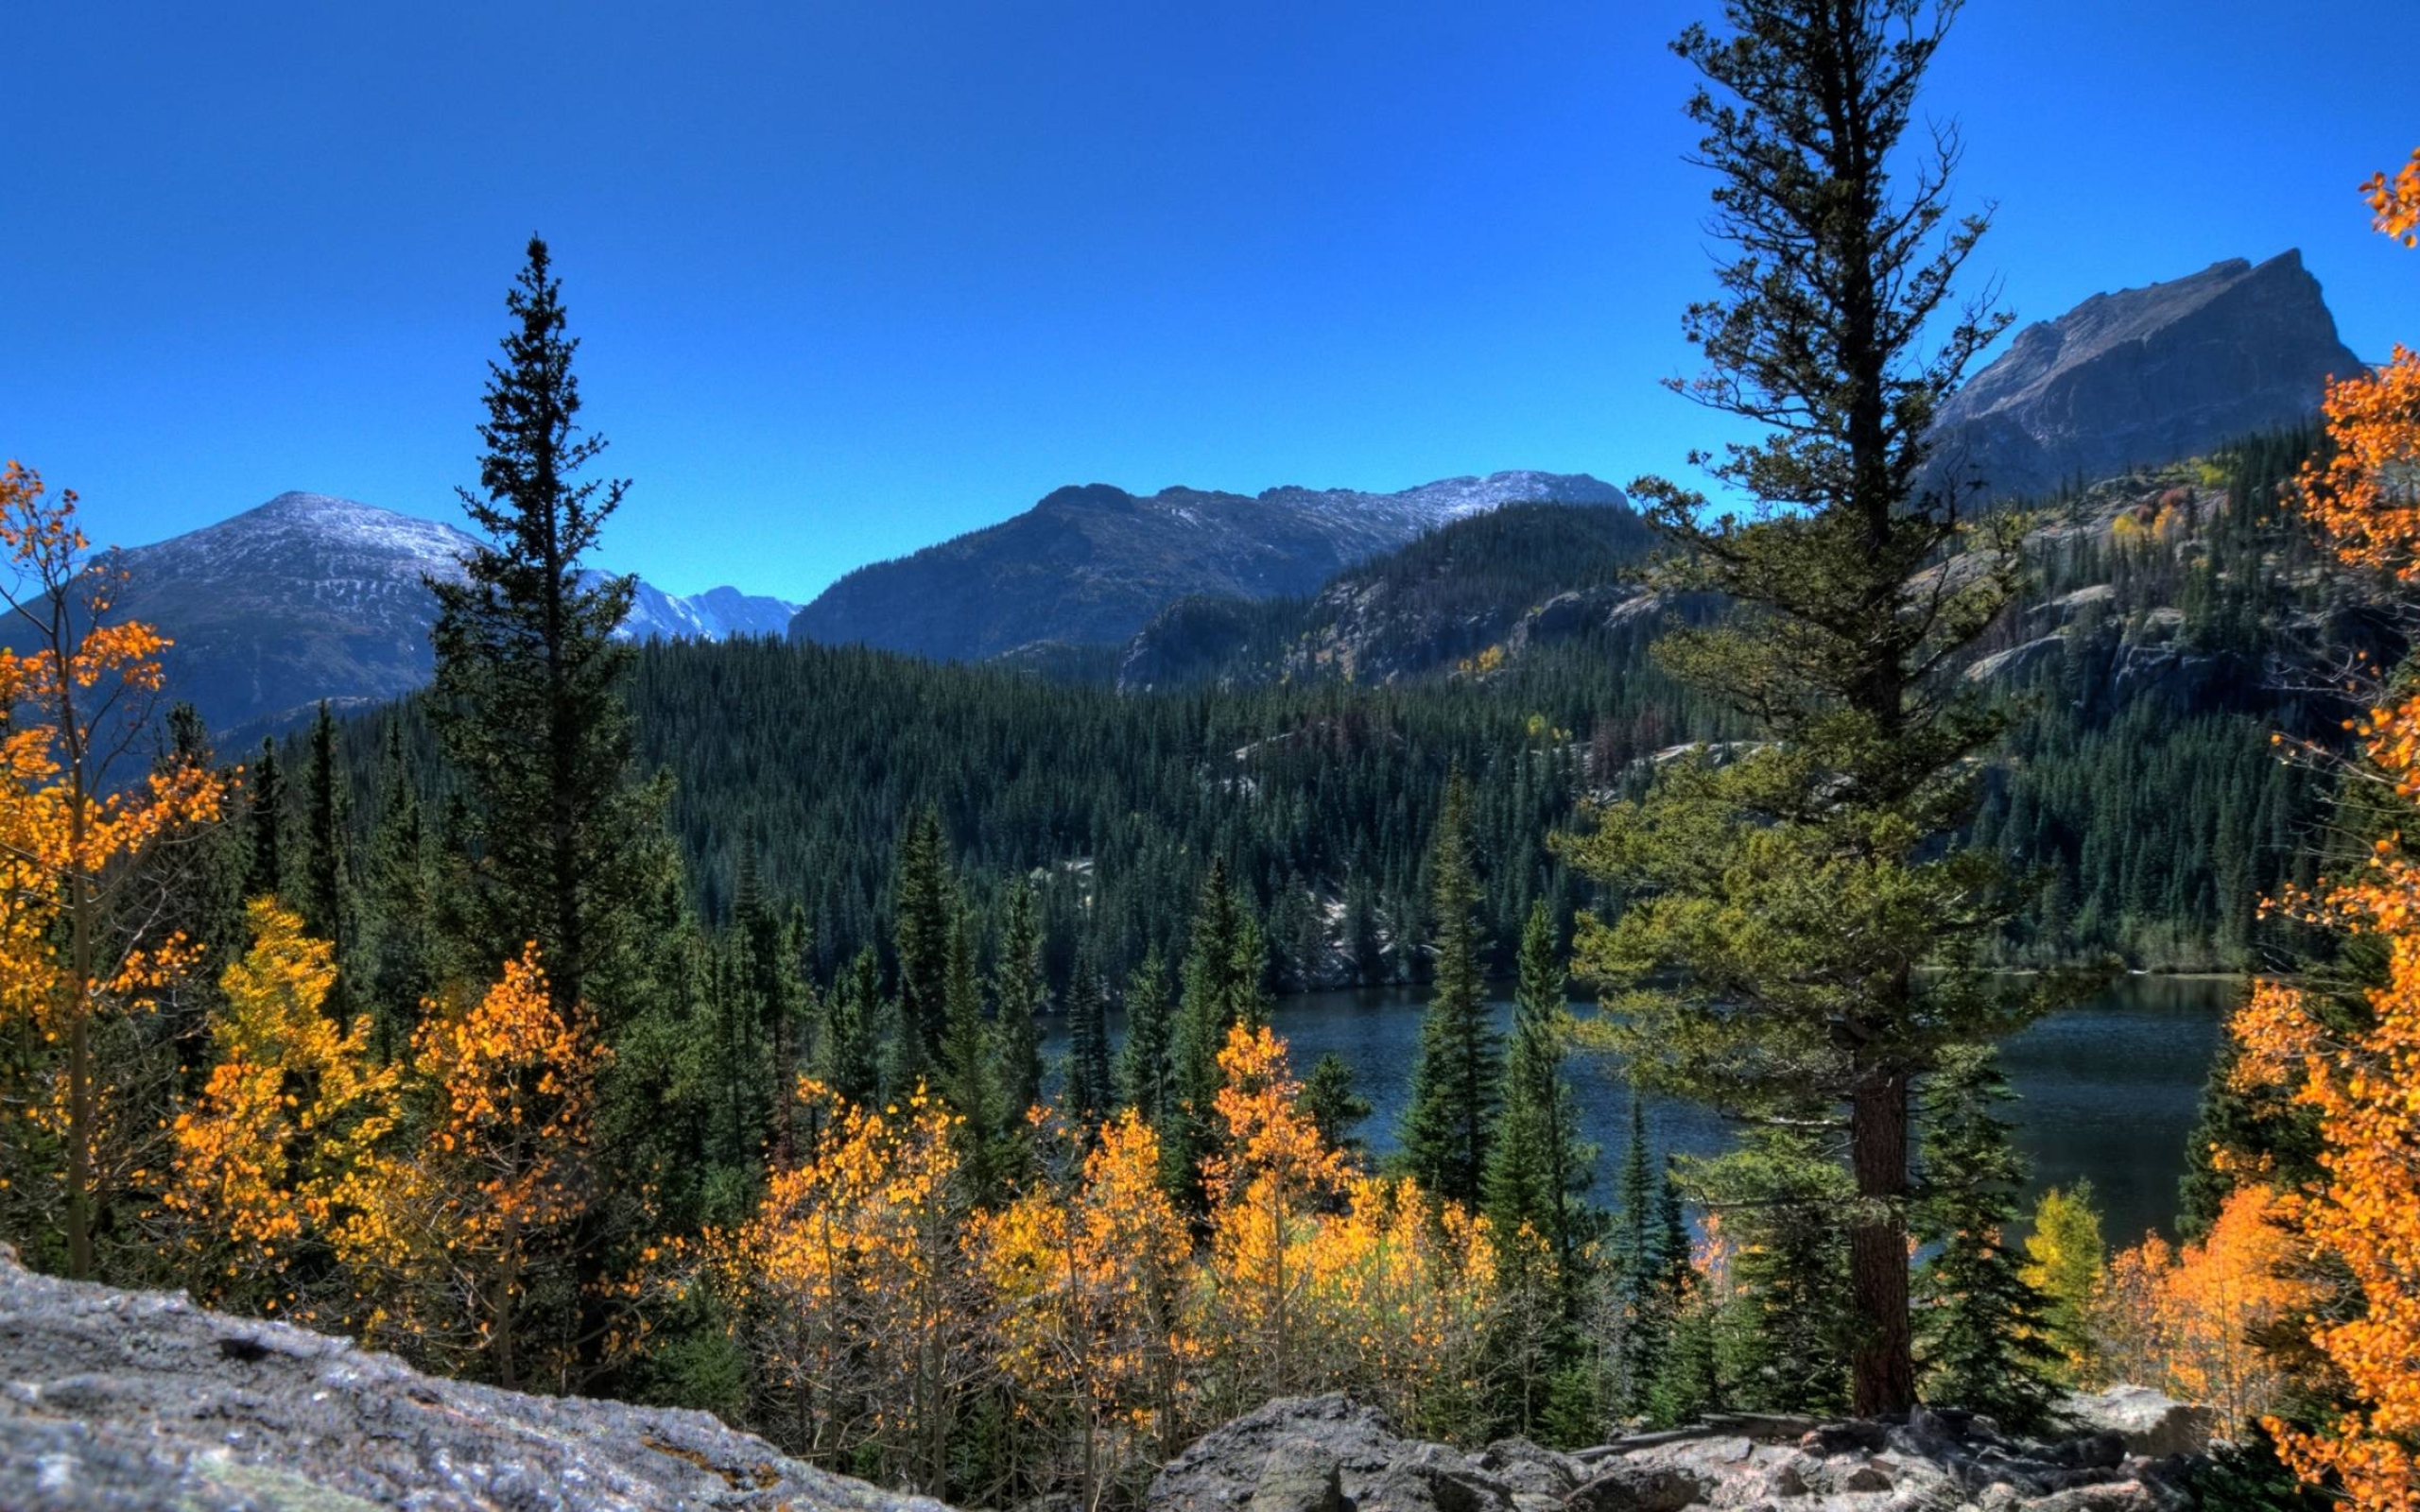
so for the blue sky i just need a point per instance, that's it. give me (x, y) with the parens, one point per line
(855, 278)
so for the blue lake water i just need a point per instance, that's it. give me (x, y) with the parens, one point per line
(2108, 1089)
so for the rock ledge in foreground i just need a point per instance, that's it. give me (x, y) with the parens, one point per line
(135, 1401)
(1331, 1455)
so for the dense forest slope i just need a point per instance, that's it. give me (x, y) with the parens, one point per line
(1089, 566)
(2176, 623)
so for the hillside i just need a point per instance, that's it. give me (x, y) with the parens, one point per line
(1090, 565)
(1525, 574)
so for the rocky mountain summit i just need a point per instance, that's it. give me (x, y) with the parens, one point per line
(126, 1400)
(2125, 1450)
(310, 596)
(1089, 566)
(2146, 376)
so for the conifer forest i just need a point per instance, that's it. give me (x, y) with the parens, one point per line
(888, 1053)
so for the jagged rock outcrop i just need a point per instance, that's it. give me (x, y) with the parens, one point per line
(2145, 376)
(133, 1400)
(2127, 1451)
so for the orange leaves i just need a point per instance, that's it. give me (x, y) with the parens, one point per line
(2188, 1321)
(2396, 203)
(2366, 1214)
(2366, 495)
(2363, 1216)
(1090, 1297)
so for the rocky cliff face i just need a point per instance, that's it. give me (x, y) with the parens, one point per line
(130, 1402)
(1090, 565)
(2145, 376)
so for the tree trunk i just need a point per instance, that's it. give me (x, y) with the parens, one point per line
(1882, 1365)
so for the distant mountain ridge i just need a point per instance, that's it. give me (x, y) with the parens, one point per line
(2144, 377)
(309, 597)
(1090, 565)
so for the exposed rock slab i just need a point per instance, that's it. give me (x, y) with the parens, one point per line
(114, 1399)
(2129, 1453)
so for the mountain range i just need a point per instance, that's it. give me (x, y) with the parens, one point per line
(1091, 565)
(309, 597)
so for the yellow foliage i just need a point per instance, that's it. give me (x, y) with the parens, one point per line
(72, 841)
(272, 1156)
(450, 1238)
(2186, 1321)
(853, 1289)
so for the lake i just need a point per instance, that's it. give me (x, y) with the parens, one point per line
(2108, 1089)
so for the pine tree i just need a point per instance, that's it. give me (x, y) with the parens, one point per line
(1979, 1326)
(847, 1058)
(1457, 1079)
(1782, 1198)
(1017, 993)
(200, 893)
(923, 907)
(325, 898)
(1538, 1167)
(1188, 1123)
(969, 1071)
(267, 813)
(1089, 1094)
(1143, 1067)
(401, 945)
(1332, 1103)
(1637, 1243)
(1664, 1368)
(1793, 891)
(527, 670)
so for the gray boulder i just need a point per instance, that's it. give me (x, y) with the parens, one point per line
(133, 1400)
(2146, 1421)
(1299, 1475)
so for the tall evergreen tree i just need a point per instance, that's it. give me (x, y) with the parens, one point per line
(326, 899)
(1017, 993)
(968, 1073)
(1143, 1066)
(267, 812)
(847, 1055)
(400, 885)
(200, 883)
(1979, 1326)
(1457, 1079)
(1204, 1013)
(1637, 1240)
(527, 670)
(1792, 892)
(1089, 1092)
(923, 914)
(1538, 1167)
